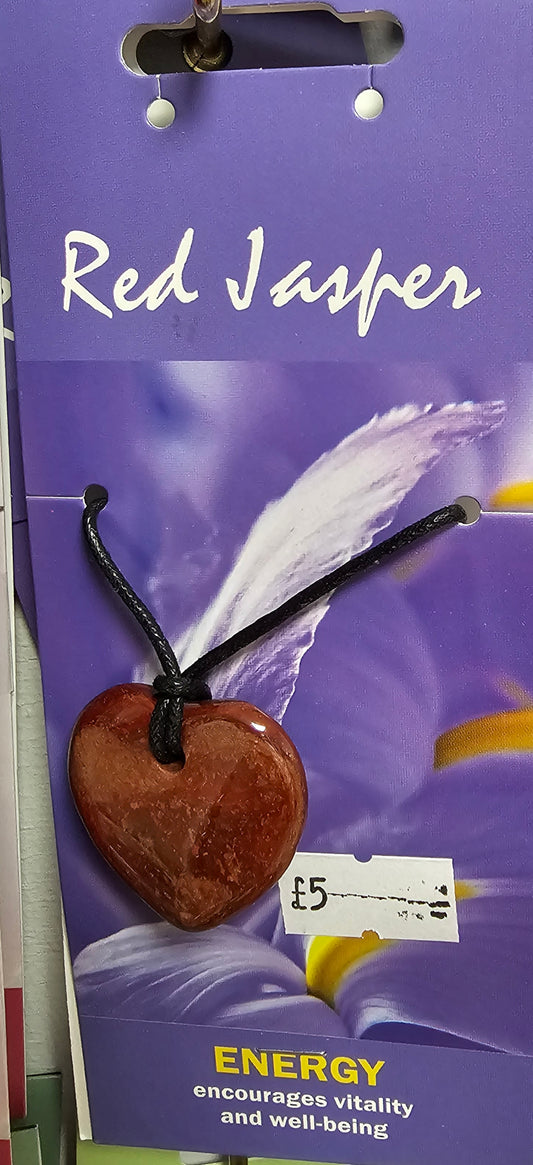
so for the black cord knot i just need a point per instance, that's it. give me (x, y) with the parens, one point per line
(191, 689)
(173, 692)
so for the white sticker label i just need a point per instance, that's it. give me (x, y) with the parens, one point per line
(334, 894)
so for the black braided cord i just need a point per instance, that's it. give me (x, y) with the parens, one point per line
(175, 687)
(172, 689)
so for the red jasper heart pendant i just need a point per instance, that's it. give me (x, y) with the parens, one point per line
(197, 841)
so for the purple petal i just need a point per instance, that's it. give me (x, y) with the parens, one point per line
(479, 813)
(220, 977)
(480, 989)
(261, 918)
(366, 708)
(473, 592)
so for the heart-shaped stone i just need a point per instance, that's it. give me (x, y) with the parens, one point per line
(197, 841)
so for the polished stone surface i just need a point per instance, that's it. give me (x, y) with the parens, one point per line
(200, 841)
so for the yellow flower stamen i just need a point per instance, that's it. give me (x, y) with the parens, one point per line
(501, 732)
(517, 496)
(464, 890)
(329, 959)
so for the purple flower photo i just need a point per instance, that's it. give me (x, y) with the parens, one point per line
(409, 695)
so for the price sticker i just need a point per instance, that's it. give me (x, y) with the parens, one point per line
(334, 894)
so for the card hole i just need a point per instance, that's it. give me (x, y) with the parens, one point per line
(471, 507)
(284, 38)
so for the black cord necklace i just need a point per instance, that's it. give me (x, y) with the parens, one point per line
(199, 804)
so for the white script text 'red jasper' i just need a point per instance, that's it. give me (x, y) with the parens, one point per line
(296, 284)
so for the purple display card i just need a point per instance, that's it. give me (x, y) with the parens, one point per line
(274, 331)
